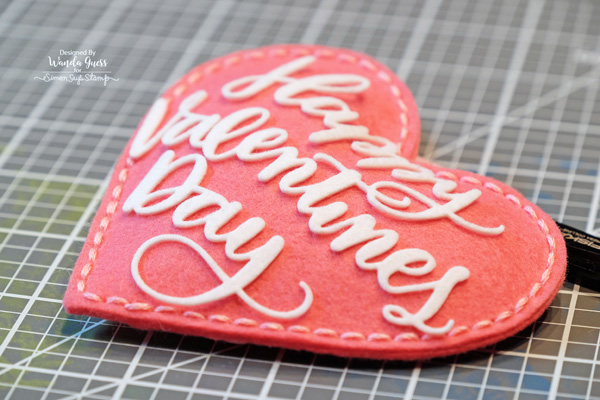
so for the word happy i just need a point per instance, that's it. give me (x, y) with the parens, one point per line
(257, 143)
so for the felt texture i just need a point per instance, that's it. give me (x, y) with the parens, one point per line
(513, 276)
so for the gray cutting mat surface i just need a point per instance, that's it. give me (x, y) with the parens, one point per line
(507, 89)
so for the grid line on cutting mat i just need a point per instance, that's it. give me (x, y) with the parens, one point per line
(60, 142)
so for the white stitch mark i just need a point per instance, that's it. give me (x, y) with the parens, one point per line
(458, 331)
(232, 61)
(193, 314)
(324, 53)
(86, 270)
(406, 337)
(402, 106)
(534, 290)
(257, 55)
(220, 318)
(551, 242)
(245, 322)
(212, 68)
(195, 77)
(298, 329)
(514, 199)
(546, 275)
(352, 336)
(116, 300)
(325, 332)
(300, 52)
(520, 304)
(179, 90)
(550, 259)
(470, 179)
(543, 226)
(530, 211)
(346, 58)
(446, 175)
(403, 132)
(104, 222)
(493, 187)
(482, 324)
(279, 52)
(116, 192)
(367, 64)
(111, 208)
(379, 337)
(384, 76)
(403, 119)
(164, 309)
(98, 238)
(503, 315)
(138, 307)
(272, 326)
(92, 296)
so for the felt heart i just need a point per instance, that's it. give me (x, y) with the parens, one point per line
(275, 196)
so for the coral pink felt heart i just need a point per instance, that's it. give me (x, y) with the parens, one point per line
(275, 197)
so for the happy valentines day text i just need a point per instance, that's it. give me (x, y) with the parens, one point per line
(256, 143)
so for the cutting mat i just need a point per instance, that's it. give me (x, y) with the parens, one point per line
(507, 89)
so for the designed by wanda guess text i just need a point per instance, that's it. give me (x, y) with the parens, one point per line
(313, 95)
(77, 66)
